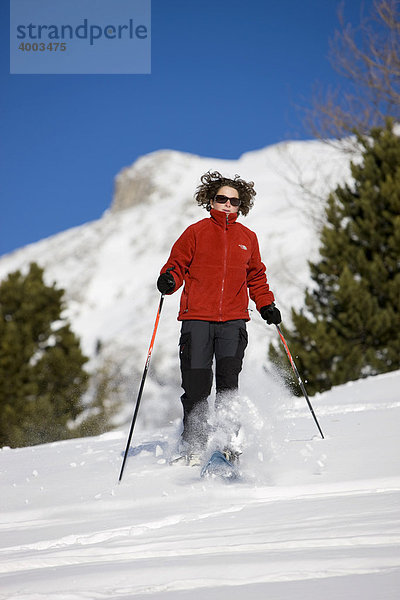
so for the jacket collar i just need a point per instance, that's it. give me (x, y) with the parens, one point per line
(223, 219)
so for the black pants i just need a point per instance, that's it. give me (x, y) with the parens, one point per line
(200, 341)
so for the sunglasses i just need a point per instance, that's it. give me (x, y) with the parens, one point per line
(224, 199)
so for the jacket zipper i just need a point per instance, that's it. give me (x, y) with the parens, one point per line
(225, 260)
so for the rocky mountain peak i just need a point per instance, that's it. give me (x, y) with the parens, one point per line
(154, 176)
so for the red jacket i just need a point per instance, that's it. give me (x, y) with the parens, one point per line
(218, 259)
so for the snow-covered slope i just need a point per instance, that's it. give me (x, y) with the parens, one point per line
(109, 267)
(311, 518)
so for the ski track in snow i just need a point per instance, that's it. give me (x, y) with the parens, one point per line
(313, 519)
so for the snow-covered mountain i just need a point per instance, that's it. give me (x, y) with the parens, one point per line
(311, 519)
(109, 267)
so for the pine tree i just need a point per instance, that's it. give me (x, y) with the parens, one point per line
(42, 378)
(350, 326)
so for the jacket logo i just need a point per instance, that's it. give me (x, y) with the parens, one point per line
(242, 246)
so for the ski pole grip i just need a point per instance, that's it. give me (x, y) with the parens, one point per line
(168, 271)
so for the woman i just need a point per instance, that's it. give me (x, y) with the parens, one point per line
(218, 260)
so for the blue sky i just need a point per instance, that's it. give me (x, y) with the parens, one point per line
(227, 77)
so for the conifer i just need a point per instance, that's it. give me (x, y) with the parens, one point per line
(350, 325)
(42, 376)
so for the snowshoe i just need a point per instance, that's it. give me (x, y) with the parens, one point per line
(218, 466)
(189, 459)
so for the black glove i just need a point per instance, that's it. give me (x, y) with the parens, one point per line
(271, 314)
(165, 283)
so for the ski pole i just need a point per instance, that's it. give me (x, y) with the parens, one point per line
(303, 389)
(146, 368)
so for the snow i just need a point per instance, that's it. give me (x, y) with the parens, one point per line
(314, 519)
(310, 518)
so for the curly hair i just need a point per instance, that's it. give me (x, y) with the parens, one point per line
(212, 181)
